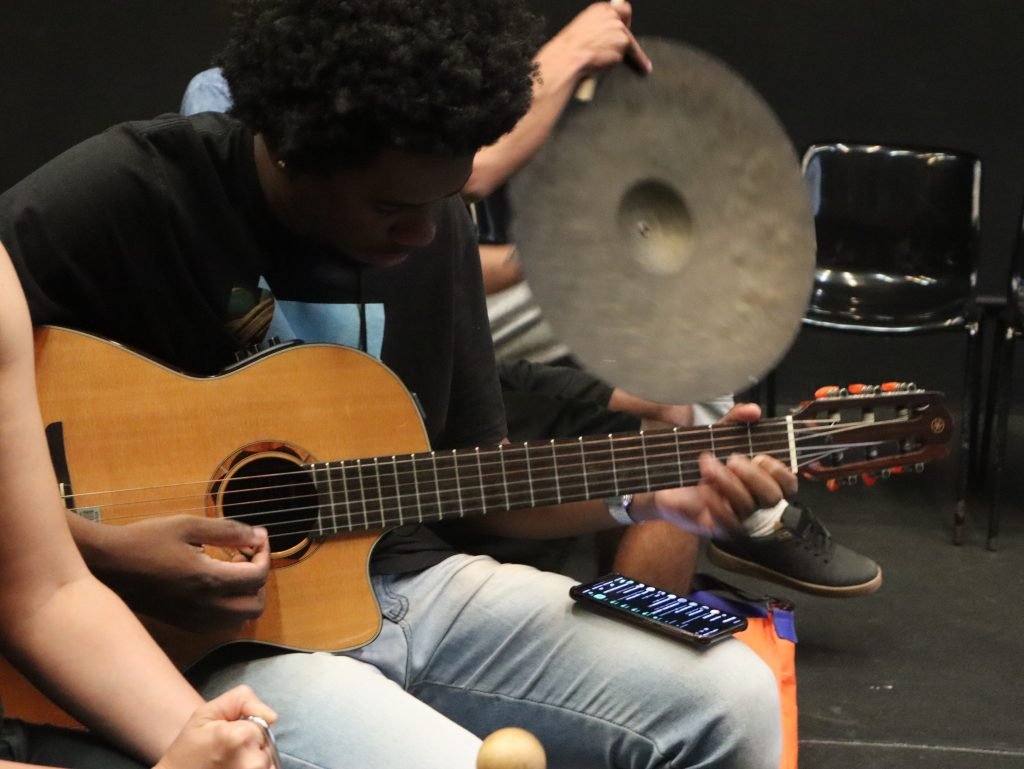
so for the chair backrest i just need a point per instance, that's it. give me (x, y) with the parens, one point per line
(1015, 289)
(897, 237)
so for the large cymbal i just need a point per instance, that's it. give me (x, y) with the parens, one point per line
(665, 229)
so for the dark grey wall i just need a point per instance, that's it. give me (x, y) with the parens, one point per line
(70, 68)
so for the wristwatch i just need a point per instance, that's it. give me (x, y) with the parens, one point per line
(618, 508)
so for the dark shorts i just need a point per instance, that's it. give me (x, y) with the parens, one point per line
(50, 746)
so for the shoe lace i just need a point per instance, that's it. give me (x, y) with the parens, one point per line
(814, 535)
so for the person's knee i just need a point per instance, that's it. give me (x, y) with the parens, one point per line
(743, 714)
(713, 708)
(297, 682)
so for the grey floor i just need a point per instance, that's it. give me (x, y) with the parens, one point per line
(927, 671)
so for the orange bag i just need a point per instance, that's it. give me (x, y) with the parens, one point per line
(771, 633)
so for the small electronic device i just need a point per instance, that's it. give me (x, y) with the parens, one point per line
(652, 607)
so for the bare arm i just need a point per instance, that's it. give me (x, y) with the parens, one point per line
(597, 38)
(658, 414)
(217, 736)
(118, 682)
(500, 266)
(726, 493)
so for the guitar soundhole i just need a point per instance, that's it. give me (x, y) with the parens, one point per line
(273, 492)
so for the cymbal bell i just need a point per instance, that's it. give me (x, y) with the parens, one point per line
(665, 229)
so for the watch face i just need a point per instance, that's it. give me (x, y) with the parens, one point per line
(618, 508)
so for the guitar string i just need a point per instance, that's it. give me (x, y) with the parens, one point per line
(569, 444)
(366, 525)
(406, 481)
(700, 435)
(508, 453)
(374, 504)
(511, 467)
(596, 459)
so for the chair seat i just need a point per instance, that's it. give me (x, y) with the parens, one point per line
(888, 302)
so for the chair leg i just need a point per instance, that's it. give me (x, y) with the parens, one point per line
(984, 450)
(968, 436)
(974, 357)
(1003, 374)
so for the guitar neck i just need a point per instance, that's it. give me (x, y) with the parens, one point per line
(381, 492)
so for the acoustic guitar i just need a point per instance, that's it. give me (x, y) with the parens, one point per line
(325, 447)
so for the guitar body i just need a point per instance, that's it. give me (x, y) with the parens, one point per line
(312, 440)
(169, 443)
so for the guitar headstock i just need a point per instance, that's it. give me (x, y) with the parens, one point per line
(863, 432)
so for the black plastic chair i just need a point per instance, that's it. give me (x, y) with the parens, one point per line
(897, 233)
(897, 248)
(1009, 328)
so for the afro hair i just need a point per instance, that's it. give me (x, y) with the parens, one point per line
(329, 84)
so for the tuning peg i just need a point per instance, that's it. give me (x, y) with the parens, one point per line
(868, 479)
(511, 748)
(857, 389)
(890, 387)
(828, 391)
(834, 484)
(836, 458)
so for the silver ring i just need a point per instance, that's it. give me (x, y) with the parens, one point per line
(269, 743)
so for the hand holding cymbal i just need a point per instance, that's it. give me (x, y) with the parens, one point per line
(633, 55)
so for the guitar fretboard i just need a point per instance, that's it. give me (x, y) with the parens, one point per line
(361, 494)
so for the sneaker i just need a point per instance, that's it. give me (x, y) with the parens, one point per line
(800, 554)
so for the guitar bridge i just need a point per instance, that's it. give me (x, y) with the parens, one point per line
(93, 514)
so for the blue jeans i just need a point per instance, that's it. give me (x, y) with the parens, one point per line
(470, 646)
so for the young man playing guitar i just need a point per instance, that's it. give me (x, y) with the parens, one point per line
(335, 184)
(787, 544)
